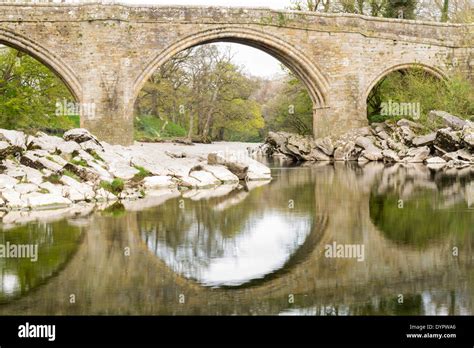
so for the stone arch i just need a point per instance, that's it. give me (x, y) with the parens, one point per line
(303, 67)
(46, 57)
(432, 70)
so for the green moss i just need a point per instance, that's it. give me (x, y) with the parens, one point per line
(142, 174)
(116, 186)
(71, 175)
(53, 179)
(79, 162)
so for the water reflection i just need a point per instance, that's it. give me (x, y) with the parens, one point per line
(55, 242)
(242, 250)
(232, 240)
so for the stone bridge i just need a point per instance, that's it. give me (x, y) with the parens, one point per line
(106, 53)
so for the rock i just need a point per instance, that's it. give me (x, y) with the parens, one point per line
(435, 160)
(13, 199)
(390, 156)
(318, 155)
(91, 145)
(36, 200)
(447, 140)
(446, 119)
(406, 134)
(417, 154)
(232, 163)
(30, 160)
(423, 140)
(7, 182)
(50, 164)
(80, 135)
(67, 149)
(346, 152)
(221, 173)
(44, 141)
(76, 191)
(325, 145)
(5, 149)
(373, 154)
(102, 195)
(24, 188)
(86, 174)
(32, 175)
(205, 179)
(410, 124)
(158, 181)
(52, 188)
(14, 138)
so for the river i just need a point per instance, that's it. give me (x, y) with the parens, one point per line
(325, 239)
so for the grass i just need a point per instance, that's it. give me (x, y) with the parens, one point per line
(96, 156)
(142, 174)
(71, 175)
(79, 162)
(115, 187)
(151, 128)
(53, 179)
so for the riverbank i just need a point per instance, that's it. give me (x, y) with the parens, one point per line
(447, 142)
(42, 171)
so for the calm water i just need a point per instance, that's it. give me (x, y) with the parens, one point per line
(257, 249)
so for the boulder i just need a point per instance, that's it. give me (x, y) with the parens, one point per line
(234, 164)
(42, 200)
(447, 140)
(325, 145)
(390, 156)
(80, 135)
(417, 154)
(423, 140)
(158, 181)
(7, 182)
(205, 179)
(435, 160)
(15, 138)
(446, 119)
(221, 173)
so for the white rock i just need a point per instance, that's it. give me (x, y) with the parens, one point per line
(103, 195)
(32, 175)
(7, 182)
(13, 199)
(79, 135)
(78, 191)
(37, 200)
(23, 188)
(50, 165)
(221, 173)
(434, 160)
(205, 179)
(158, 181)
(52, 188)
(14, 138)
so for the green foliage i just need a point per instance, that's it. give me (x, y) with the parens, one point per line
(142, 174)
(415, 85)
(201, 94)
(53, 179)
(291, 109)
(420, 221)
(79, 162)
(57, 243)
(400, 8)
(71, 175)
(148, 127)
(116, 186)
(29, 92)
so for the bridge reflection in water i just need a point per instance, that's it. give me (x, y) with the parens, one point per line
(245, 250)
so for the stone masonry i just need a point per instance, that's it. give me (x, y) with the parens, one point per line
(106, 52)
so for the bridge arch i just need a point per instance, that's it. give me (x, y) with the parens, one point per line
(430, 69)
(311, 76)
(46, 57)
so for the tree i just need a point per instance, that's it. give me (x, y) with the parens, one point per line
(29, 92)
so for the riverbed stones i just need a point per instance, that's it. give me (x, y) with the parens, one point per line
(404, 141)
(446, 119)
(158, 181)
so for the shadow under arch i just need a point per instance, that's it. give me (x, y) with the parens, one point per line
(311, 76)
(436, 72)
(45, 57)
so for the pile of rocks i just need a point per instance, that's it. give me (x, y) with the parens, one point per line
(452, 143)
(44, 171)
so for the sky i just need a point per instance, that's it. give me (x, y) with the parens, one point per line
(254, 61)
